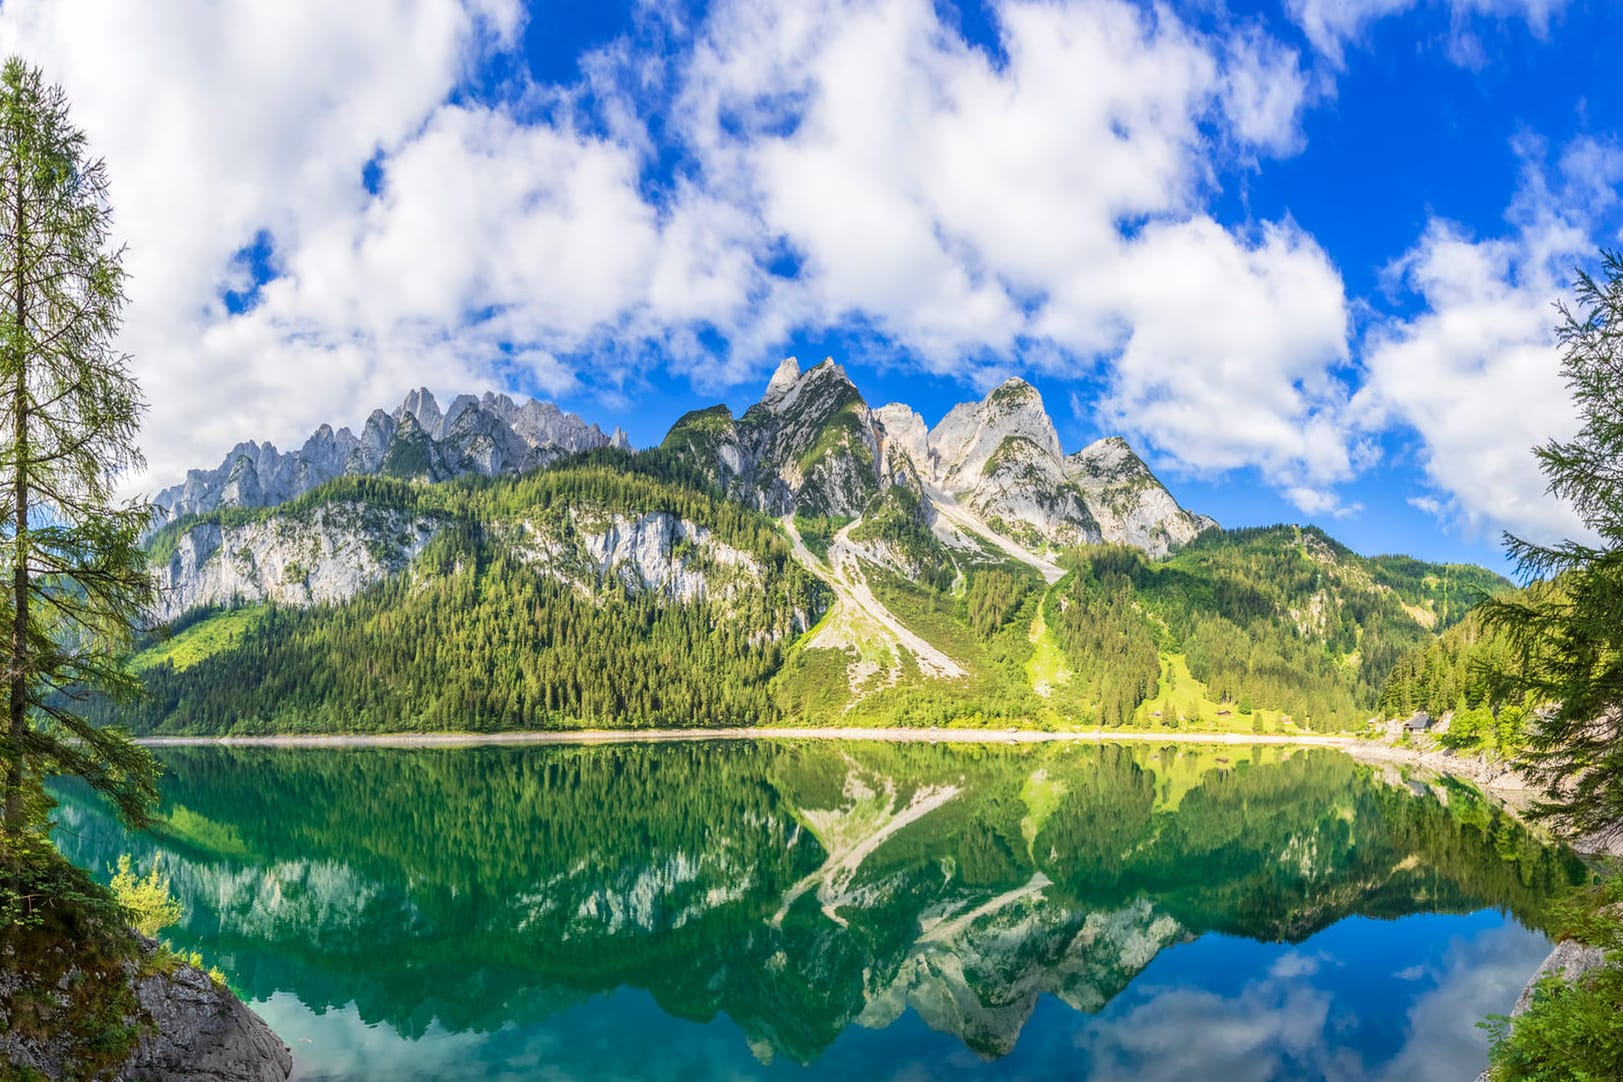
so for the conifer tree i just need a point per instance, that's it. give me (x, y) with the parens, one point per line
(75, 576)
(1568, 638)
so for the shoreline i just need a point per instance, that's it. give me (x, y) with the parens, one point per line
(657, 736)
(1494, 778)
(1489, 775)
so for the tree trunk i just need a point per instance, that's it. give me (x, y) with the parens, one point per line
(18, 690)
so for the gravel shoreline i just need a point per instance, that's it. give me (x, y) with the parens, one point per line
(629, 736)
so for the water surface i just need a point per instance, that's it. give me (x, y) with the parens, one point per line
(823, 910)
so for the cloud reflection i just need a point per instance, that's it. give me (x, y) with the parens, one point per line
(1281, 1026)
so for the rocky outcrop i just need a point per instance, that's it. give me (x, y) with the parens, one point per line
(968, 437)
(327, 555)
(188, 1029)
(1128, 501)
(1023, 493)
(202, 1033)
(1571, 960)
(657, 551)
(812, 445)
(1001, 457)
(1601, 843)
(486, 435)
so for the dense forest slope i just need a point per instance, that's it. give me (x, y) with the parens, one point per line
(814, 561)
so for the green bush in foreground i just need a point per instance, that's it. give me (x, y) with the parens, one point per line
(1572, 1032)
(146, 899)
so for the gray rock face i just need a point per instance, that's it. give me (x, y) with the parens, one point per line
(1022, 492)
(331, 555)
(203, 1033)
(1002, 458)
(1130, 504)
(191, 1030)
(487, 435)
(421, 405)
(1571, 960)
(373, 446)
(810, 445)
(813, 445)
(904, 436)
(653, 552)
(972, 433)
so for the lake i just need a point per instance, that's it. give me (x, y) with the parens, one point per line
(819, 910)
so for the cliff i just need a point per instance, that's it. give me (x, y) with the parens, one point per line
(118, 1006)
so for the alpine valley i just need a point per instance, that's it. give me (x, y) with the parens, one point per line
(815, 561)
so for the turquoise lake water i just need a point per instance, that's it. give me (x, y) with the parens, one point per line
(818, 910)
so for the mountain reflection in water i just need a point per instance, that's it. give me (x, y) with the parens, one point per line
(752, 909)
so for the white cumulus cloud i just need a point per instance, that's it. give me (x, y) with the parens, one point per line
(1044, 205)
(1476, 371)
(1331, 24)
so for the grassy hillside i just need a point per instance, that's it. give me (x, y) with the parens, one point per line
(1249, 630)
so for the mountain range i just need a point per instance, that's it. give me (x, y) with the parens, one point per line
(487, 435)
(815, 559)
(811, 445)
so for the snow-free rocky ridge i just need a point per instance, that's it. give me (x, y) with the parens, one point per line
(485, 435)
(990, 482)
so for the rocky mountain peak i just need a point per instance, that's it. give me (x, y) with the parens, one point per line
(792, 390)
(421, 405)
(489, 434)
(904, 430)
(787, 375)
(971, 433)
(1109, 457)
(1129, 501)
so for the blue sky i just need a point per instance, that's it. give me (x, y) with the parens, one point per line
(1303, 253)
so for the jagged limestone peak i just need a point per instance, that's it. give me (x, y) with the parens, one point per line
(793, 391)
(421, 405)
(1111, 458)
(1129, 501)
(904, 430)
(486, 435)
(809, 444)
(971, 433)
(787, 375)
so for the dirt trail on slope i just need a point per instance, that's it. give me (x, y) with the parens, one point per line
(949, 509)
(859, 616)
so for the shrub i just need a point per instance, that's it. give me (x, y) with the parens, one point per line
(146, 900)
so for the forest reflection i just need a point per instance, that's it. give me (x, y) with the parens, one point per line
(797, 888)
